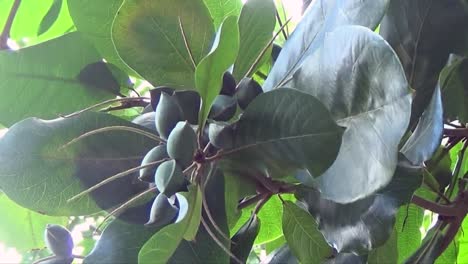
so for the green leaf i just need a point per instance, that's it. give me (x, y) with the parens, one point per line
(463, 244)
(94, 20)
(256, 23)
(301, 233)
(301, 135)
(47, 91)
(374, 216)
(322, 17)
(21, 228)
(424, 33)
(408, 222)
(148, 38)
(120, 242)
(221, 9)
(454, 85)
(164, 243)
(39, 172)
(209, 72)
(243, 240)
(427, 136)
(359, 78)
(25, 29)
(281, 255)
(51, 16)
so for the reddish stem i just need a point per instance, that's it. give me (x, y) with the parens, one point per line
(5, 35)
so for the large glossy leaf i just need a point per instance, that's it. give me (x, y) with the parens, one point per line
(31, 89)
(256, 23)
(21, 228)
(209, 72)
(39, 173)
(163, 244)
(359, 78)
(302, 234)
(424, 33)
(454, 84)
(220, 9)
(321, 17)
(365, 224)
(204, 249)
(427, 136)
(25, 29)
(120, 242)
(50, 17)
(94, 20)
(387, 253)
(285, 130)
(148, 37)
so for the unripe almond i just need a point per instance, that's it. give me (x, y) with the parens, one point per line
(162, 212)
(246, 91)
(169, 178)
(58, 239)
(224, 108)
(155, 154)
(182, 144)
(167, 115)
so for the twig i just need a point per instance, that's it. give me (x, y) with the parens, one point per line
(187, 46)
(262, 202)
(5, 35)
(444, 210)
(457, 132)
(285, 35)
(127, 99)
(219, 243)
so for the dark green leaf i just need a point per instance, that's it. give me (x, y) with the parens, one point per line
(347, 258)
(243, 240)
(387, 253)
(97, 75)
(148, 38)
(39, 172)
(427, 136)
(120, 242)
(210, 71)
(374, 216)
(163, 244)
(424, 33)
(454, 84)
(220, 9)
(301, 135)
(51, 16)
(256, 23)
(204, 249)
(321, 18)
(94, 20)
(42, 80)
(302, 234)
(21, 228)
(359, 78)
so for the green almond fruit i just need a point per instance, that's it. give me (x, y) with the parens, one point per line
(146, 120)
(169, 178)
(223, 108)
(182, 144)
(246, 91)
(59, 240)
(155, 154)
(243, 240)
(229, 84)
(167, 115)
(189, 102)
(156, 94)
(162, 212)
(221, 135)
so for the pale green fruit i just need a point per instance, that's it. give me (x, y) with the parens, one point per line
(155, 154)
(224, 108)
(246, 91)
(221, 135)
(167, 115)
(58, 239)
(182, 144)
(162, 212)
(169, 178)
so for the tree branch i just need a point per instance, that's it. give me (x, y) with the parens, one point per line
(5, 35)
(444, 210)
(457, 132)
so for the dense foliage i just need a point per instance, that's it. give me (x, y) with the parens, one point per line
(202, 131)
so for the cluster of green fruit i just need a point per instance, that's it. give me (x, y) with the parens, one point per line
(58, 240)
(175, 120)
